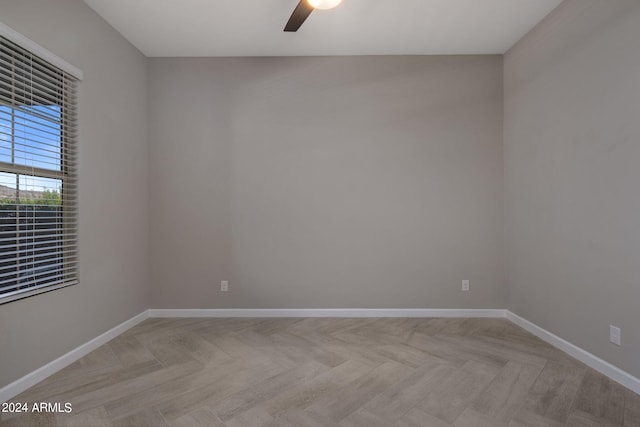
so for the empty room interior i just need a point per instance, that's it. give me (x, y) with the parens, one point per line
(303, 213)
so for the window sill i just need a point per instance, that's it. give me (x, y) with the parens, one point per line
(36, 290)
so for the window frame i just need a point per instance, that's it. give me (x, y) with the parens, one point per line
(69, 77)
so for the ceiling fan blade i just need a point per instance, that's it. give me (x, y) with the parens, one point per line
(299, 15)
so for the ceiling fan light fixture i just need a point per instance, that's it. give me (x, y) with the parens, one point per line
(324, 4)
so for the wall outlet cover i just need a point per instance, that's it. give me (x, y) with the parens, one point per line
(615, 335)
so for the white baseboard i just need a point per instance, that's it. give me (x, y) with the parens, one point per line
(326, 312)
(602, 366)
(29, 380)
(18, 386)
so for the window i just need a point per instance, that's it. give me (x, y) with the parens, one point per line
(38, 218)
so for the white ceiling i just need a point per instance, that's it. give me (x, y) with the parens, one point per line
(356, 27)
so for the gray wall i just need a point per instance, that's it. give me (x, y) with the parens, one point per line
(572, 174)
(326, 182)
(113, 175)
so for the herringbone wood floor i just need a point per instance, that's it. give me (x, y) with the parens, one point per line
(330, 372)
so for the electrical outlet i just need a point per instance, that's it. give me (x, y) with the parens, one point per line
(465, 285)
(224, 286)
(615, 335)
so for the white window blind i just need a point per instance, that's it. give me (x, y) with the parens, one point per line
(38, 219)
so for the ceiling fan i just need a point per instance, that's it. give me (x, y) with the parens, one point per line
(304, 9)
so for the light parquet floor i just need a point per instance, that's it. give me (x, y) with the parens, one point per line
(315, 372)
